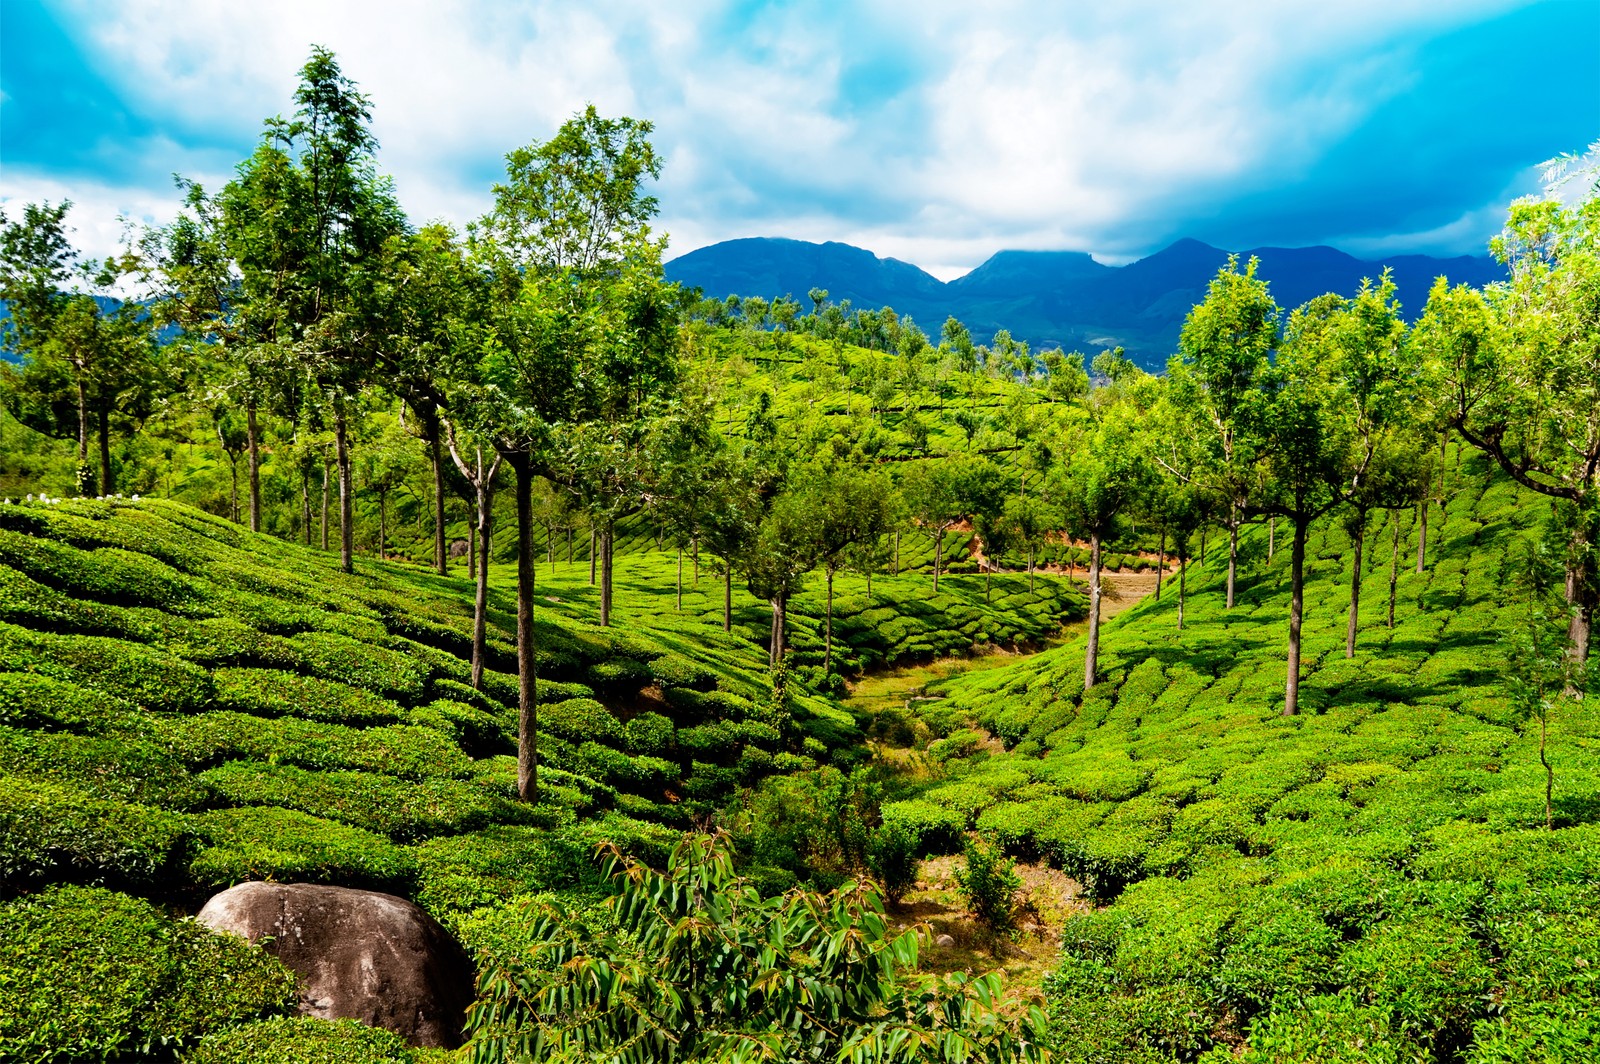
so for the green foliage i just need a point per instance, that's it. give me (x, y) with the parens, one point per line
(88, 974)
(284, 844)
(892, 858)
(303, 1040)
(55, 832)
(988, 882)
(693, 964)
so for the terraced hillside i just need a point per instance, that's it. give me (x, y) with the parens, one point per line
(1369, 880)
(185, 705)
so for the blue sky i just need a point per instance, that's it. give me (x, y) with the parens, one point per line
(935, 132)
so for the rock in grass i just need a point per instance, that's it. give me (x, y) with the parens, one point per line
(359, 954)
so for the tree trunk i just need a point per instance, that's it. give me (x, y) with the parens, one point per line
(827, 639)
(897, 554)
(1030, 568)
(233, 467)
(441, 561)
(1354, 623)
(606, 539)
(83, 436)
(1091, 655)
(527, 682)
(1183, 586)
(1272, 536)
(988, 581)
(680, 579)
(1549, 771)
(1394, 560)
(305, 500)
(1161, 562)
(347, 516)
(727, 598)
(780, 610)
(1233, 554)
(1580, 591)
(324, 500)
(938, 559)
(694, 548)
(1297, 594)
(480, 543)
(383, 525)
(253, 444)
(106, 486)
(592, 558)
(1203, 531)
(1422, 534)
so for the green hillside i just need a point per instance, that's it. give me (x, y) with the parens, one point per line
(1369, 880)
(185, 705)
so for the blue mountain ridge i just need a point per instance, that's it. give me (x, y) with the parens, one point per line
(1055, 297)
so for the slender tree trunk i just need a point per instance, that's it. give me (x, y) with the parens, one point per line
(827, 643)
(1272, 536)
(1233, 553)
(233, 468)
(727, 598)
(305, 501)
(869, 582)
(1297, 593)
(347, 516)
(253, 444)
(550, 545)
(897, 554)
(1091, 657)
(592, 559)
(1549, 772)
(988, 579)
(780, 610)
(1030, 568)
(527, 680)
(1161, 562)
(83, 436)
(694, 549)
(938, 559)
(1183, 586)
(1354, 623)
(106, 486)
(1580, 593)
(605, 574)
(1422, 534)
(383, 525)
(1203, 531)
(324, 500)
(569, 544)
(680, 579)
(480, 598)
(1394, 560)
(441, 560)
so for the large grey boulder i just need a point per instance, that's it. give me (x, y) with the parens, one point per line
(360, 955)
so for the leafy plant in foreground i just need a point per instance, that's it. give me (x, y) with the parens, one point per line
(693, 964)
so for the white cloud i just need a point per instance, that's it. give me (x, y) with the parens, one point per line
(1019, 124)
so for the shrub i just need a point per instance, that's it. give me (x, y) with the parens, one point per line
(408, 751)
(272, 693)
(28, 700)
(270, 843)
(988, 883)
(136, 674)
(124, 768)
(338, 657)
(892, 857)
(649, 733)
(936, 829)
(580, 720)
(49, 831)
(403, 809)
(88, 973)
(488, 867)
(304, 1040)
(1335, 1029)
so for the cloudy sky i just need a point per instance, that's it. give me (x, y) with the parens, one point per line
(934, 132)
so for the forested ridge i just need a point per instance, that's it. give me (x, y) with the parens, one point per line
(491, 570)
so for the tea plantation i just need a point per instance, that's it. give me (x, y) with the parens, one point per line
(1371, 880)
(185, 705)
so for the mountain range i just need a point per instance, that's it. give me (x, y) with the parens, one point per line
(1051, 298)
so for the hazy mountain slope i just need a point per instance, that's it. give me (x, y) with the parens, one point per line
(1054, 297)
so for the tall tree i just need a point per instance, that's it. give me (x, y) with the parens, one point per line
(1521, 370)
(1226, 344)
